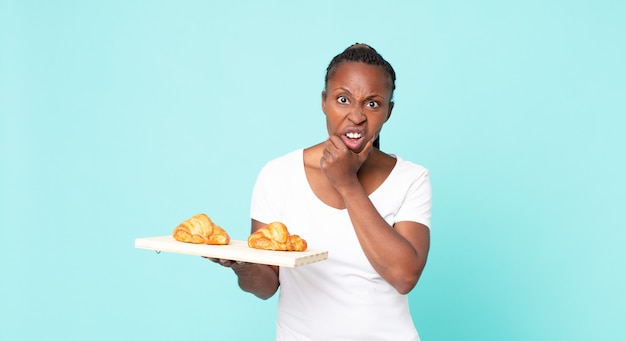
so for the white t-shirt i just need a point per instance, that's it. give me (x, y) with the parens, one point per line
(343, 297)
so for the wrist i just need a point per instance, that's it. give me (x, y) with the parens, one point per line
(350, 189)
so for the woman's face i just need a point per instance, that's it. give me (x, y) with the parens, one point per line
(357, 102)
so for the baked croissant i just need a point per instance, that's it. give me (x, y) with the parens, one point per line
(275, 236)
(199, 229)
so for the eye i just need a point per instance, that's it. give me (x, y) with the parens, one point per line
(342, 99)
(372, 104)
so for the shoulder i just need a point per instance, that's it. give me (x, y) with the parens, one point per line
(409, 168)
(290, 158)
(282, 165)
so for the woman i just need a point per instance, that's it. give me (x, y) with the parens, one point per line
(370, 210)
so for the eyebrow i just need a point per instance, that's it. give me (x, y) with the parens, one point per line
(343, 89)
(368, 97)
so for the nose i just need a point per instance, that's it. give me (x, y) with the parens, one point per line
(356, 116)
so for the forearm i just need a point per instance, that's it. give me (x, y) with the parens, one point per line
(258, 279)
(390, 253)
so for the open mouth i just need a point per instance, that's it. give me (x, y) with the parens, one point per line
(353, 140)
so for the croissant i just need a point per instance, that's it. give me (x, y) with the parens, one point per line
(275, 236)
(199, 229)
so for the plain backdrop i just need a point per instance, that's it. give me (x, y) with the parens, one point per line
(120, 119)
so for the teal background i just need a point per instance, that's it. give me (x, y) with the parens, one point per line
(119, 119)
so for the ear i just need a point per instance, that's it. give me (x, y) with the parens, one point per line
(390, 109)
(324, 101)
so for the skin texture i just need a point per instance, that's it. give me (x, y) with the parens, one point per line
(344, 171)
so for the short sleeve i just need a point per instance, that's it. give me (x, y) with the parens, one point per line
(262, 205)
(418, 201)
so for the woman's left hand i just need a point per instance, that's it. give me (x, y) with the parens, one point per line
(340, 164)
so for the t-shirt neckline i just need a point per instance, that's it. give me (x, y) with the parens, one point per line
(321, 202)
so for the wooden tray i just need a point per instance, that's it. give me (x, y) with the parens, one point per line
(237, 250)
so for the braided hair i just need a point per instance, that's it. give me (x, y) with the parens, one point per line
(364, 54)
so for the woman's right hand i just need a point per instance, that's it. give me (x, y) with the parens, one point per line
(258, 279)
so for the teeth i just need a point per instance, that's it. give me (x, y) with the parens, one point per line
(353, 135)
